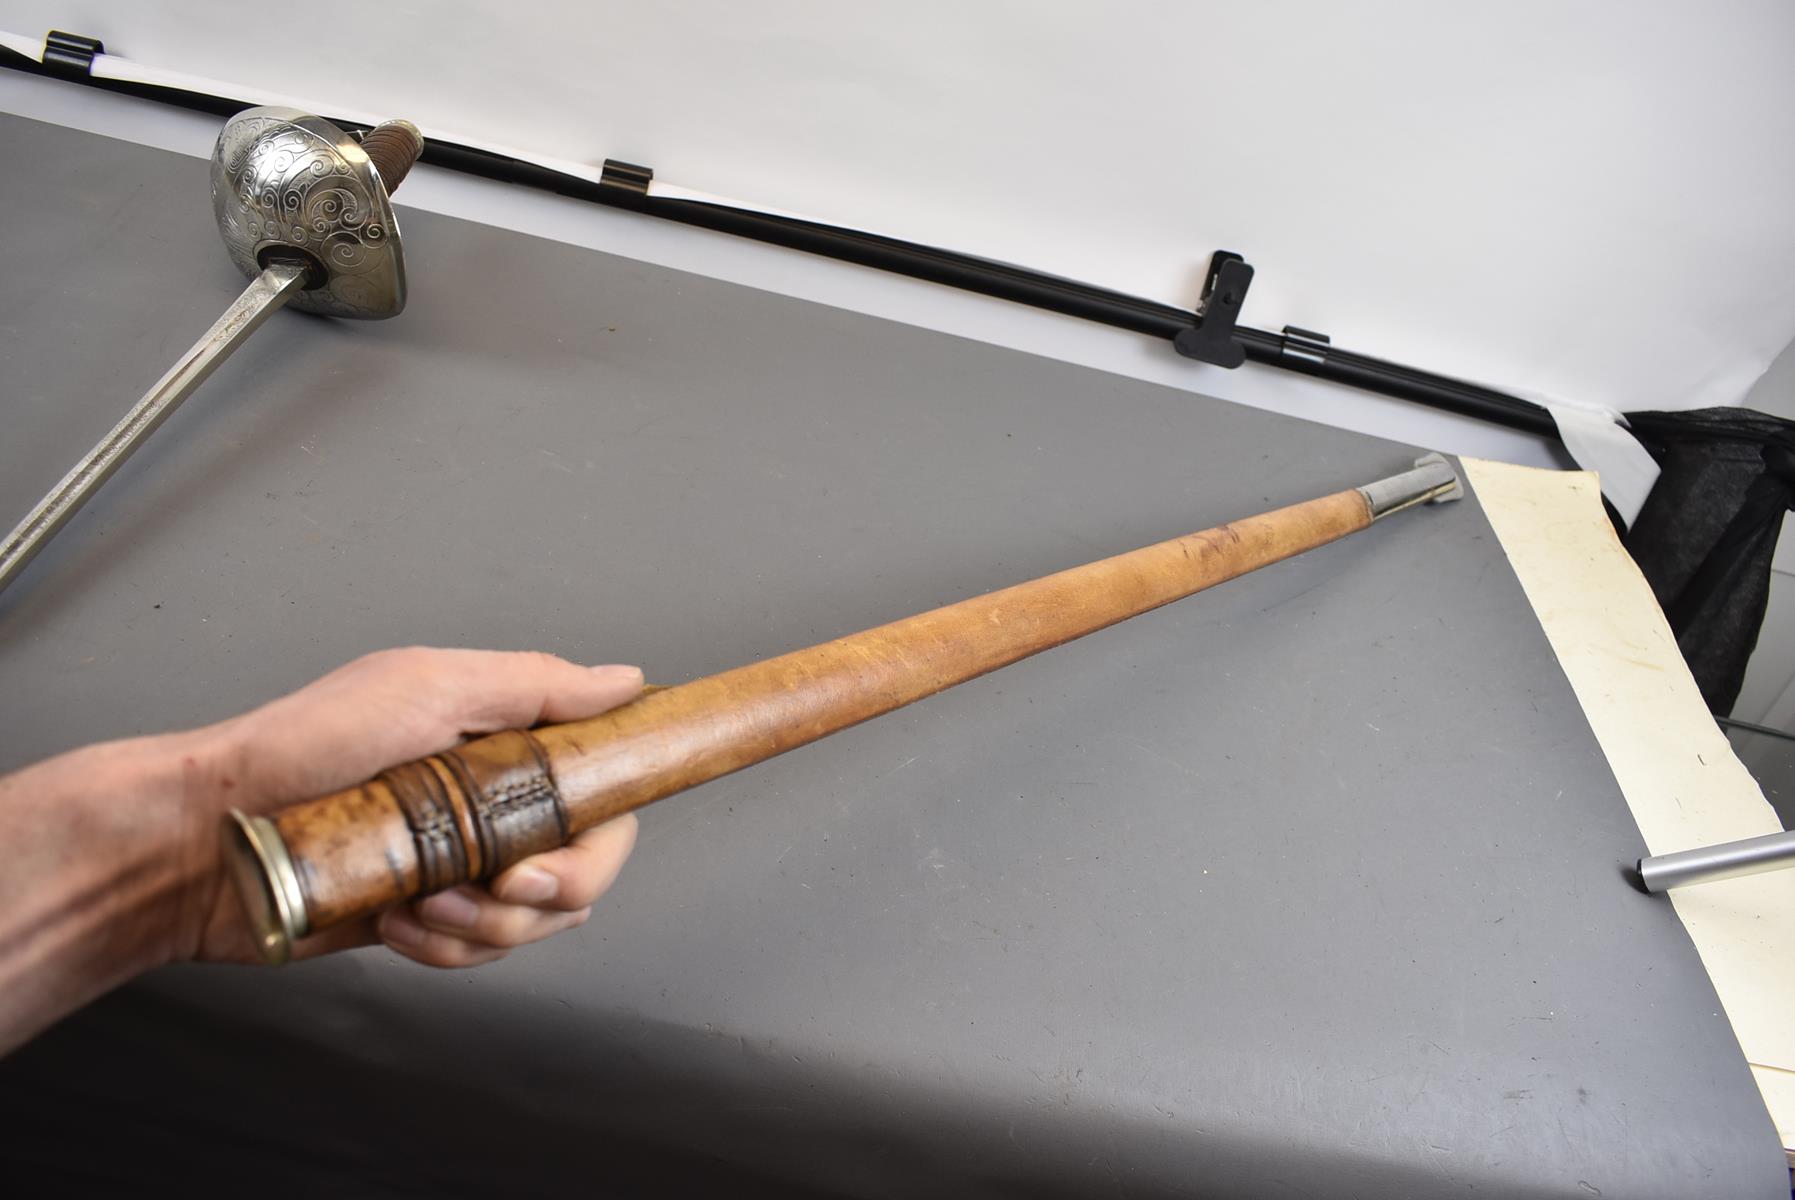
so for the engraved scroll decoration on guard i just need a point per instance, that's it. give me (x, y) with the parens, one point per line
(296, 188)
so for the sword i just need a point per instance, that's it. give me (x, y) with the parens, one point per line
(304, 212)
(468, 813)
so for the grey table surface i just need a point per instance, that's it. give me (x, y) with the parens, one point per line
(1310, 885)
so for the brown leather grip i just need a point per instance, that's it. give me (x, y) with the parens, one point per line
(468, 813)
(393, 147)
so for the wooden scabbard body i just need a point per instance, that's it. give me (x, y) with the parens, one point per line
(468, 813)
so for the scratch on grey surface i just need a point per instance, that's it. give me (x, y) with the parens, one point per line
(642, 428)
(896, 769)
(1161, 754)
(1296, 596)
(554, 460)
(1564, 1133)
(1518, 1020)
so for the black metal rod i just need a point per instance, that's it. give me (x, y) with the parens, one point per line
(935, 265)
(1754, 727)
(965, 271)
(1403, 382)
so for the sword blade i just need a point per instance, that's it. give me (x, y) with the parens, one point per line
(265, 294)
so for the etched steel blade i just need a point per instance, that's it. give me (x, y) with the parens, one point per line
(266, 293)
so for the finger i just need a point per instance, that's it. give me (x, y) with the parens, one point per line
(574, 876)
(522, 905)
(403, 934)
(398, 705)
(343, 937)
(470, 913)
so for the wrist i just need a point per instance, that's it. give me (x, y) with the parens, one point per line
(111, 864)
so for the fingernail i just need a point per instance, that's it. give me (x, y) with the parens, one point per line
(528, 885)
(449, 908)
(397, 927)
(622, 676)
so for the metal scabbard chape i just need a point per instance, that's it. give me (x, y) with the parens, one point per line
(267, 885)
(1433, 481)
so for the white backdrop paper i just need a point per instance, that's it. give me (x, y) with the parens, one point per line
(1590, 201)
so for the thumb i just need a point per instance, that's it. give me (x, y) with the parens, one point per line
(397, 705)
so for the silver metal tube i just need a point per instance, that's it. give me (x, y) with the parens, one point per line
(1728, 860)
(1433, 480)
(265, 294)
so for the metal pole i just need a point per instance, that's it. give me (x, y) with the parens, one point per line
(1728, 860)
(266, 293)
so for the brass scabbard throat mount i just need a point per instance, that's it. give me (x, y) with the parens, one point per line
(267, 884)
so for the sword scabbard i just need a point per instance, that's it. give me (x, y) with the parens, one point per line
(470, 812)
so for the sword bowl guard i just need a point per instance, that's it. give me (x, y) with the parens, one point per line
(288, 186)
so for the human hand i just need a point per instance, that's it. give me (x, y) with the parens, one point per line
(390, 708)
(117, 848)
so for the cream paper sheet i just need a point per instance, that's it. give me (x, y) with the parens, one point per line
(1676, 768)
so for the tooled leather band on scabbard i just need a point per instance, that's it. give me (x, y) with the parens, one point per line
(465, 814)
(476, 810)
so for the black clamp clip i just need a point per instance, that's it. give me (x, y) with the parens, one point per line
(1211, 339)
(624, 184)
(70, 55)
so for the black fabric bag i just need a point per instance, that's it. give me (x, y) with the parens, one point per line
(1705, 537)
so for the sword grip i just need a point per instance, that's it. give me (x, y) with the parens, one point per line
(393, 147)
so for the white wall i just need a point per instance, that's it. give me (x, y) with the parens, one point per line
(1590, 200)
(822, 280)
